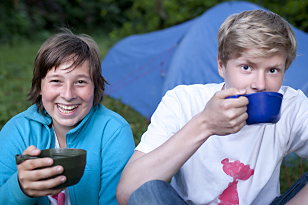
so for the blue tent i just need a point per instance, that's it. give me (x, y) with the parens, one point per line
(141, 68)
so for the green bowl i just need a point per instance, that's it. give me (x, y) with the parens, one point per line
(72, 160)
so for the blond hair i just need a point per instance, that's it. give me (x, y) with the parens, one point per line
(259, 32)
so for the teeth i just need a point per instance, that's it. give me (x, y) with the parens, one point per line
(67, 109)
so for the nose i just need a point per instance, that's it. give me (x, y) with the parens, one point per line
(68, 92)
(259, 82)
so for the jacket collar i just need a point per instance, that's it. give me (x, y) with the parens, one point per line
(34, 114)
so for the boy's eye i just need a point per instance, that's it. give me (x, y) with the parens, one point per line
(273, 70)
(246, 67)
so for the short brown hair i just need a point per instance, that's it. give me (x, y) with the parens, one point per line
(264, 31)
(58, 49)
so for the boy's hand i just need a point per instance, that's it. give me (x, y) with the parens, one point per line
(226, 116)
(32, 175)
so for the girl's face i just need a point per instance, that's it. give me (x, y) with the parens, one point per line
(254, 74)
(67, 94)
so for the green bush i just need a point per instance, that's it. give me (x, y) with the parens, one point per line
(20, 19)
(121, 18)
(14, 21)
(144, 16)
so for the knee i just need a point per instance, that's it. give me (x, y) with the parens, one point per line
(154, 184)
(306, 174)
(148, 192)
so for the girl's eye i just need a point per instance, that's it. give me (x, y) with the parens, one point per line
(55, 81)
(80, 82)
(246, 67)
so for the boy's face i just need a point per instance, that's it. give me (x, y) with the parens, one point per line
(256, 74)
(67, 94)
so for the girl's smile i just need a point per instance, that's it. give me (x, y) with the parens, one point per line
(67, 109)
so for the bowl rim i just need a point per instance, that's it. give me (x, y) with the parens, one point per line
(55, 151)
(269, 93)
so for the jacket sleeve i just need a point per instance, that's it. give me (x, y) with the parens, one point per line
(115, 154)
(11, 193)
(11, 143)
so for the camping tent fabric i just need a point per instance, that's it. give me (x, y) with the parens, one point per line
(141, 68)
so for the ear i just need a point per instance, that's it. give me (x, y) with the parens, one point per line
(220, 67)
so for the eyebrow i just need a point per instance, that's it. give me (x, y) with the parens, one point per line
(83, 76)
(61, 76)
(271, 66)
(53, 76)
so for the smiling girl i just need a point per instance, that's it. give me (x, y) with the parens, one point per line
(67, 88)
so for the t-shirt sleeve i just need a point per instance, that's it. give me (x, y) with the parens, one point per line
(164, 123)
(176, 108)
(295, 118)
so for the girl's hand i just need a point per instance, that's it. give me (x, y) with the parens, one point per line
(32, 175)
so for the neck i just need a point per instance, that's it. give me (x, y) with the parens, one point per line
(61, 136)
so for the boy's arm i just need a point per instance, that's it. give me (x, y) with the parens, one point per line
(220, 117)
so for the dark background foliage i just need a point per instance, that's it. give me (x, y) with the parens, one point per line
(119, 18)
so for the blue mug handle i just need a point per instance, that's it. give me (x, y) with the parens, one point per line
(236, 96)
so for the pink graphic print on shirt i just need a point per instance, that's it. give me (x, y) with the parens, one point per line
(238, 171)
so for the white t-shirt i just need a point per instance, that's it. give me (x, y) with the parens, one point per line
(241, 168)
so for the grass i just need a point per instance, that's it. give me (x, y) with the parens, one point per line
(290, 172)
(16, 64)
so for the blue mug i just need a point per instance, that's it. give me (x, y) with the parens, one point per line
(263, 107)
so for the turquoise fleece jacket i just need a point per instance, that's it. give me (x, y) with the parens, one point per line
(104, 134)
